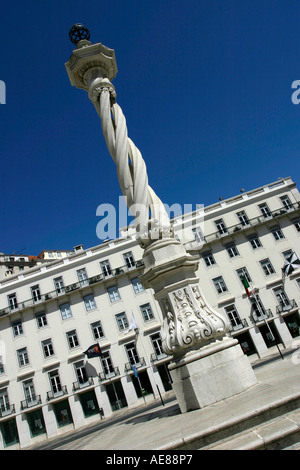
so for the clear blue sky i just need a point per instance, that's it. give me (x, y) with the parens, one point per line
(205, 86)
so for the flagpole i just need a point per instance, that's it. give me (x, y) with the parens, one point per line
(148, 361)
(263, 315)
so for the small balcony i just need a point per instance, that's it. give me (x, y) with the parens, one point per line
(138, 365)
(79, 385)
(286, 307)
(51, 395)
(259, 317)
(239, 325)
(30, 402)
(156, 358)
(109, 374)
(7, 410)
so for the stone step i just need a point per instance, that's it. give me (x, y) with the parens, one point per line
(280, 433)
(274, 425)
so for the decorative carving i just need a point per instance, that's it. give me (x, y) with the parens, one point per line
(188, 322)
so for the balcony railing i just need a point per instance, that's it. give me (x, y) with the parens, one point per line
(238, 326)
(109, 374)
(138, 365)
(286, 307)
(29, 402)
(256, 318)
(250, 224)
(7, 410)
(59, 292)
(79, 385)
(158, 357)
(51, 394)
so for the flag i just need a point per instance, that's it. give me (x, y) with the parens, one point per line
(132, 325)
(135, 371)
(93, 351)
(246, 285)
(291, 263)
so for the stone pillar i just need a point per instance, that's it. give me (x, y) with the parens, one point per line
(208, 365)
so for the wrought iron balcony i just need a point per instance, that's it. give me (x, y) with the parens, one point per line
(7, 410)
(51, 394)
(109, 374)
(285, 307)
(256, 318)
(138, 365)
(30, 402)
(238, 326)
(79, 385)
(159, 357)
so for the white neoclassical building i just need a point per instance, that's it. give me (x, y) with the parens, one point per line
(52, 313)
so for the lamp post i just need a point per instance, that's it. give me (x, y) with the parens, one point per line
(207, 365)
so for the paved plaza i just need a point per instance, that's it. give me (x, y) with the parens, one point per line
(163, 427)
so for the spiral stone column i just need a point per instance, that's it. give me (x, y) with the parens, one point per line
(207, 365)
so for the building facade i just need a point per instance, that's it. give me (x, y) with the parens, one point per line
(52, 313)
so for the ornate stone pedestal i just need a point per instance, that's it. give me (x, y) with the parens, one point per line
(207, 366)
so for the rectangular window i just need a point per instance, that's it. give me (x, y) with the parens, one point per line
(137, 285)
(208, 258)
(107, 364)
(199, 237)
(132, 354)
(157, 345)
(243, 272)
(277, 233)
(36, 293)
(81, 372)
(233, 316)
(122, 321)
(59, 285)
(47, 348)
(22, 357)
(242, 216)
(281, 297)
(29, 391)
(146, 311)
(65, 311)
(232, 250)
(72, 339)
(296, 223)
(267, 267)
(55, 383)
(286, 202)
(221, 227)
(82, 277)
(41, 320)
(220, 285)
(105, 267)
(12, 301)
(17, 328)
(255, 241)
(89, 302)
(113, 293)
(129, 259)
(4, 401)
(97, 330)
(264, 208)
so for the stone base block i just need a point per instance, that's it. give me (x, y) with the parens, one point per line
(217, 371)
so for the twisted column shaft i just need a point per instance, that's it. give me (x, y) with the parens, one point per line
(131, 168)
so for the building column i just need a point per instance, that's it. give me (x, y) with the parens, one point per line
(23, 430)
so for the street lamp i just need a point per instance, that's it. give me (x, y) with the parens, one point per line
(207, 365)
